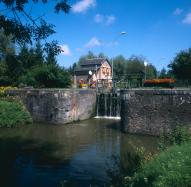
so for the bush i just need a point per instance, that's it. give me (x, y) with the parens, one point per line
(171, 168)
(46, 76)
(13, 113)
(179, 135)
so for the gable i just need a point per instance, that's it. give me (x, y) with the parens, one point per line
(106, 64)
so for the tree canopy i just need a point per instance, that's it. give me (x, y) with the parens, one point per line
(180, 67)
(16, 19)
(32, 66)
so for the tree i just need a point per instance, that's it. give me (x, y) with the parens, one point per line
(119, 64)
(8, 62)
(7, 45)
(135, 65)
(151, 72)
(16, 20)
(89, 55)
(72, 68)
(30, 67)
(180, 67)
(52, 50)
(163, 73)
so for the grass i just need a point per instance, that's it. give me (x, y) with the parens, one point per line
(171, 168)
(13, 113)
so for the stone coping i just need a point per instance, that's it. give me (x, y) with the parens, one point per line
(157, 91)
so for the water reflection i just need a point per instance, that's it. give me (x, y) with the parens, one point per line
(71, 155)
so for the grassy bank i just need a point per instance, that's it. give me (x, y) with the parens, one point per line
(171, 168)
(13, 113)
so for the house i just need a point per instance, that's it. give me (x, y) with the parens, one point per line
(94, 72)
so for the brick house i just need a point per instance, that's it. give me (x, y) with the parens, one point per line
(94, 71)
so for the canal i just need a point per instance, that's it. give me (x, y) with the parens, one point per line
(88, 153)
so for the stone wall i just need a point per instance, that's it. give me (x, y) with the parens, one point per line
(58, 106)
(150, 111)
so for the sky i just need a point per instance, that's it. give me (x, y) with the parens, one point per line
(155, 29)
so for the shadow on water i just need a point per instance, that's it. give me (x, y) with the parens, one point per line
(20, 154)
(81, 154)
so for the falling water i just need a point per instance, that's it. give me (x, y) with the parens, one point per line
(108, 105)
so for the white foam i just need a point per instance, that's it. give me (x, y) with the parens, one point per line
(108, 117)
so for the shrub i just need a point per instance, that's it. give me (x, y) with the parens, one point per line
(179, 135)
(13, 113)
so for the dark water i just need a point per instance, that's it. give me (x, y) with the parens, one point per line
(81, 154)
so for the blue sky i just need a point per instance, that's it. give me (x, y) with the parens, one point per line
(156, 29)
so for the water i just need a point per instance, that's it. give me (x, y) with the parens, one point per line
(108, 105)
(80, 154)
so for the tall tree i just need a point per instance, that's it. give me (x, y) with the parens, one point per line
(119, 64)
(180, 67)
(163, 73)
(135, 65)
(89, 55)
(6, 45)
(151, 72)
(52, 50)
(8, 61)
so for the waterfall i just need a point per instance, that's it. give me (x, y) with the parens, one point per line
(108, 105)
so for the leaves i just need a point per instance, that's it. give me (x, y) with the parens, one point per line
(181, 65)
(15, 20)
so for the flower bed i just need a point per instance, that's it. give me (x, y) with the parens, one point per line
(167, 82)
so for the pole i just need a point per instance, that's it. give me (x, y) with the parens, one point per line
(121, 33)
(112, 71)
(96, 80)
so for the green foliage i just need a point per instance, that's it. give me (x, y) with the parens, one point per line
(171, 168)
(35, 66)
(16, 19)
(13, 113)
(89, 55)
(119, 65)
(164, 73)
(136, 65)
(180, 67)
(47, 76)
(179, 135)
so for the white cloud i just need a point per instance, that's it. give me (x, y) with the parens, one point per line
(65, 50)
(177, 11)
(110, 20)
(99, 18)
(187, 19)
(105, 19)
(83, 6)
(93, 42)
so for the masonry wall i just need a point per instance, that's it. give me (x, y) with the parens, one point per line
(58, 106)
(151, 111)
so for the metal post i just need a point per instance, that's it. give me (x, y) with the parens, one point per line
(112, 71)
(96, 80)
(75, 81)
